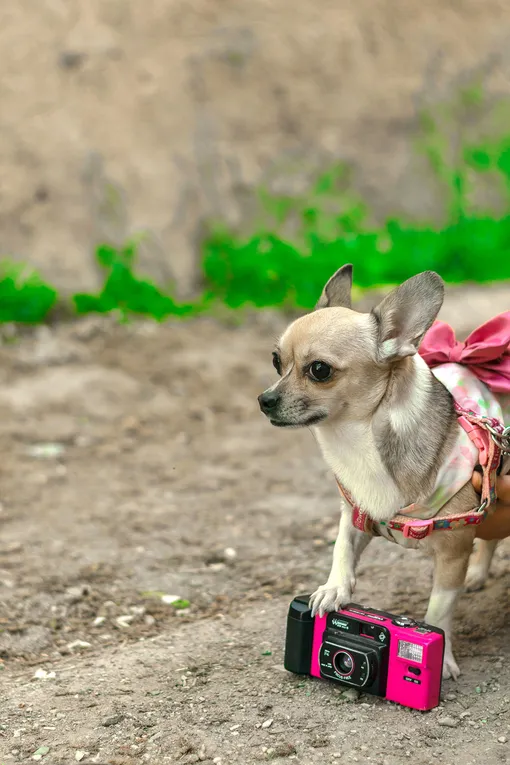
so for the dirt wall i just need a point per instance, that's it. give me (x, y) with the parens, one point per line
(119, 116)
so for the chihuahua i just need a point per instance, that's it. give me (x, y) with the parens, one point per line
(384, 423)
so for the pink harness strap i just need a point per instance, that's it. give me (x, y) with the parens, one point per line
(491, 439)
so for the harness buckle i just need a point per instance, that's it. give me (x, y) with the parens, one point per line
(479, 437)
(414, 529)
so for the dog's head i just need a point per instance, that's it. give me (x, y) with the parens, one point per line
(336, 362)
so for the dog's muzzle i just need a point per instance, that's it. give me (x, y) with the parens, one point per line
(268, 402)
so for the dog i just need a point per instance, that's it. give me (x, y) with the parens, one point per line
(385, 425)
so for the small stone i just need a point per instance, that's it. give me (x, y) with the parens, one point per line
(42, 674)
(78, 644)
(351, 694)
(285, 749)
(75, 594)
(448, 722)
(451, 697)
(79, 755)
(98, 621)
(267, 723)
(502, 739)
(125, 620)
(149, 620)
(113, 720)
(230, 554)
(39, 754)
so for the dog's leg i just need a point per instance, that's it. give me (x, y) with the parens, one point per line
(449, 574)
(349, 545)
(479, 565)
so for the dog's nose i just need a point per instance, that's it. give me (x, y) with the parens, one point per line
(268, 401)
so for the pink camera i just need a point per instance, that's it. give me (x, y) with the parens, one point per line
(376, 652)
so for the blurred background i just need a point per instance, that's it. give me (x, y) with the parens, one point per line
(177, 178)
(229, 143)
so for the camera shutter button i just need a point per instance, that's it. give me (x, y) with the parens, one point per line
(404, 621)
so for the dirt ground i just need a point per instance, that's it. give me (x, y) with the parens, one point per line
(136, 464)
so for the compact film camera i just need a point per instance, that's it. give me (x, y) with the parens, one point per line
(390, 656)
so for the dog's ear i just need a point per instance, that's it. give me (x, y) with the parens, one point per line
(337, 291)
(406, 314)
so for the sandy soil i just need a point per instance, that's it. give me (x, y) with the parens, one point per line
(135, 464)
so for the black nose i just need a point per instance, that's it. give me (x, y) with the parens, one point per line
(268, 401)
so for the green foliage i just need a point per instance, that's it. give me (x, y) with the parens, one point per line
(125, 293)
(297, 241)
(328, 227)
(24, 297)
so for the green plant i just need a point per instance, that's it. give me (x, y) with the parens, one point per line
(286, 262)
(297, 241)
(24, 297)
(124, 292)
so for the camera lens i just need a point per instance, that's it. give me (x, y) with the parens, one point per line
(343, 663)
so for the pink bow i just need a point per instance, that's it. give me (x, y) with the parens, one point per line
(486, 351)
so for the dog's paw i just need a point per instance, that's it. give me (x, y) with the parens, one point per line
(450, 666)
(476, 578)
(330, 598)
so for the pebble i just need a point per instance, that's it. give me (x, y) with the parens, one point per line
(42, 674)
(113, 720)
(75, 594)
(98, 621)
(267, 723)
(125, 620)
(78, 644)
(451, 697)
(448, 722)
(502, 739)
(169, 599)
(79, 755)
(40, 753)
(351, 694)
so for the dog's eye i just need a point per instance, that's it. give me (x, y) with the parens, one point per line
(277, 363)
(320, 371)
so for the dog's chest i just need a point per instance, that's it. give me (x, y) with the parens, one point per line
(352, 455)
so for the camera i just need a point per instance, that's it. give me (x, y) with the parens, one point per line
(390, 656)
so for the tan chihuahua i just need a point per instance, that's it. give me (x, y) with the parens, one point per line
(384, 424)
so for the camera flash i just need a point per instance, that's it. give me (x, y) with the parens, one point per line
(410, 651)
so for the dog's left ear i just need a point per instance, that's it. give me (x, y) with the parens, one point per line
(337, 292)
(406, 314)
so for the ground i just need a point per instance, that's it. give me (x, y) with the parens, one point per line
(135, 465)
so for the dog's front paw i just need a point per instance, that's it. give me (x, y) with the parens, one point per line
(450, 666)
(330, 598)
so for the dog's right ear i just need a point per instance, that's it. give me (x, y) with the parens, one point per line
(337, 291)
